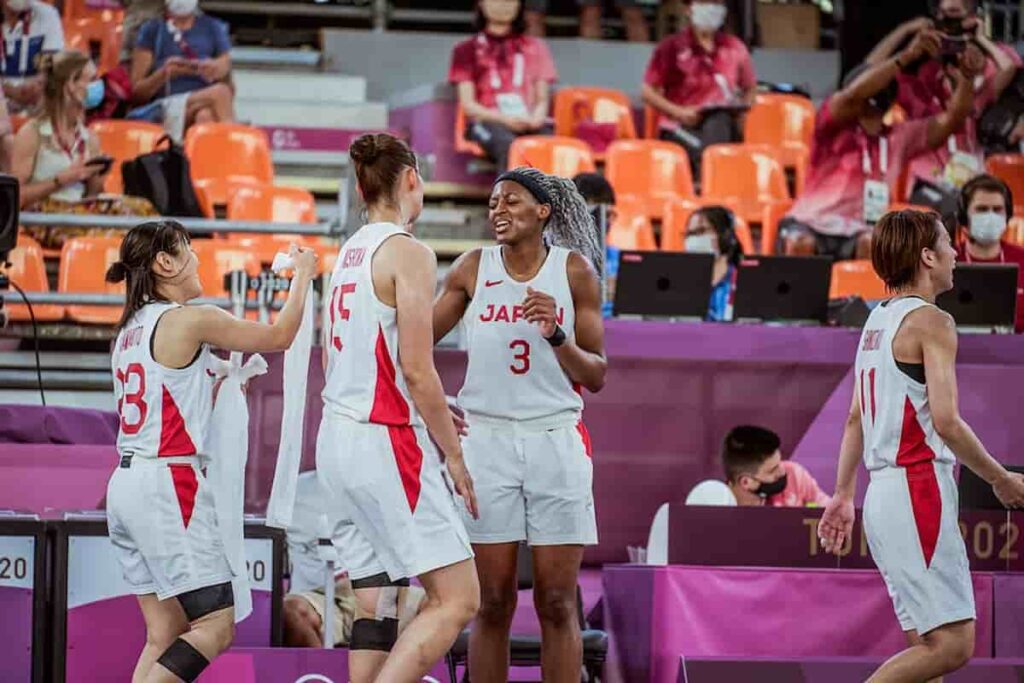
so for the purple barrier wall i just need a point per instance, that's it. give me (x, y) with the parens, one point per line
(16, 633)
(75, 477)
(264, 665)
(56, 425)
(1009, 615)
(429, 128)
(701, 611)
(828, 670)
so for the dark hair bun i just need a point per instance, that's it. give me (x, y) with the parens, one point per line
(365, 150)
(117, 272)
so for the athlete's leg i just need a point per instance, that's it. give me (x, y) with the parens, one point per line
(302, 623)
(375, 627)
(165, 621)
(936, 653)
(488, 639)
(453, 598)
(556, 571)
(211, 615)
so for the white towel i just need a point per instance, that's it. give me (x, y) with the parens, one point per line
(289, 450)
(175, 109)
(228, 450)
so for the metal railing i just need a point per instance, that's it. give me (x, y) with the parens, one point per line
(194, 225)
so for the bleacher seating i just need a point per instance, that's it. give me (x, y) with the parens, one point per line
(272, 204)
(856, 278)
(574, 105)
(786, 122)
(95, 36)
(463, 145)
(124, 140)
(561, 156)
(631, 230)
(651, 171)
(83, 267)
(76, 9)
(225, 155)
(29, 272)
(676, 218)
(217, 258)
(1010, 168)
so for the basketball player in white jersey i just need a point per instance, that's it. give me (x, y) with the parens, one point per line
(905, 423)
(531, 311)
(160, 512)
(389, 500)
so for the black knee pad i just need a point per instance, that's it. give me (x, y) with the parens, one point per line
(379, 581)
(183, 660)
(374, 634)
(203, 601)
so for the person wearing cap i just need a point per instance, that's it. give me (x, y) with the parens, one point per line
(857, 160)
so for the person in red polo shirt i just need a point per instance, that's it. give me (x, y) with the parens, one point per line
(856, 159)
(504, 79)
(926, 88)
(986, 206)
(699, 80)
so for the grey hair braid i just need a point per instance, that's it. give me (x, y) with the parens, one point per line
(571, 225)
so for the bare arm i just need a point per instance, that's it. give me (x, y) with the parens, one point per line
(94, 184)
(476, 111)
(146, 85)
(217, 68)
(851, 450)
(539, 115)
(1006, 69)
(941, 126)
(888, 46)
(26, 146)
(456, 293)
(688, 116)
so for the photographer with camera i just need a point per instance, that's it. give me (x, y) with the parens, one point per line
(927, 85)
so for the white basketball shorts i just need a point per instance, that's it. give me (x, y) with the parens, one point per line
(162, 522)
(389, 502)
(911, 517)
(533, 480)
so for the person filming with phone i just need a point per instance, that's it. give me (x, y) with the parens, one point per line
(57, 160)
(927, 85)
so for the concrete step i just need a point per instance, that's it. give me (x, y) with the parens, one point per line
(299, 87)
(275, 58)
(260, 112)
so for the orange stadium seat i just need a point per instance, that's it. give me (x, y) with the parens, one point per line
(631, 229)
(560, 156)
(856, 278)
(1010, 169)
(676, 218)
(650, 171)
(217, 258)
(463, 145)
(214, 194)
(785, 122)
(74, 9)
(600, 105)
(83, 267)
(97, 37)
(650, 122)
(272, 203)
(28, 272)
(228, 152)
(124, 140)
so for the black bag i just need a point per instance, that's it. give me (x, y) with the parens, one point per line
(164, 178)
(1001, 117)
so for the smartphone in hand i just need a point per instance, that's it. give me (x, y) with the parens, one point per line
(104, 161)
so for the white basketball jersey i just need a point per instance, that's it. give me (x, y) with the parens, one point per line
(895, 416)
(164, 411)
(513, 372)
(364, 378)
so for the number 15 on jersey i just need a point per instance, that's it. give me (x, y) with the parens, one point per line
(339, 312)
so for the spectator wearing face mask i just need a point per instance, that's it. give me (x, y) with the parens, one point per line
(857, 160)
(697, 78)
(757, 475)
(712, 230)
(986, 206)
(30, 28)
(927, 85)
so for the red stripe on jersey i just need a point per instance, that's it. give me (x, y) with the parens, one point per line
(185, 486)
(585, 435)
(925, 498)
(409, 458)
(174, 438)
(389, 405)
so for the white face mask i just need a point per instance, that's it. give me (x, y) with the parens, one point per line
(181, 8)
(19, 6)
(700, 244)
(708, 16)
(987, 227)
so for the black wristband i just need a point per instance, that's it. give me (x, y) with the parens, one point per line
(558, 338)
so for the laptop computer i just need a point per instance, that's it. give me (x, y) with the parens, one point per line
(653, 284)
(783, 288)
(976, 493)
(984, 297)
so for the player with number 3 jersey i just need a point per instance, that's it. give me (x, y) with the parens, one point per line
(160, 510)
(905, 423)
(530, 309)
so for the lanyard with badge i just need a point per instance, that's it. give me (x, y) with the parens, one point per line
(876, 192)
(509, 103)
(178, 36)
(10, 45)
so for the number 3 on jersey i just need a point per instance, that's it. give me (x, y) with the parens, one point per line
(869, 402)
(339, 311)
(133, 398)
(522, 357)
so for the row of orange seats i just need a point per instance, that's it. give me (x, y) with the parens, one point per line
(84, 262)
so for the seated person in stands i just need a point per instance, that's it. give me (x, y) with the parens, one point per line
(694, 72)
(57, 159)
(712, 230)
(6, 137)
(856, 158)
(926, 87)
(590, 19)
(986, 207)
(757, 475)
(30, 28)
(184, 64)
(503, 78)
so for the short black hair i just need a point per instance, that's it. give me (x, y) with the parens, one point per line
(518, 24)
(595, 188)
(745, 448)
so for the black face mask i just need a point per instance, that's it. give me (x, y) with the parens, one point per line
(771, 488)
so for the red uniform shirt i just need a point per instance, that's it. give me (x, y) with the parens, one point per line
(1011, 254)
(689, 75)
(502, 64)
(843, 157)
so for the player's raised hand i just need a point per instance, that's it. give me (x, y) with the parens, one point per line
(539, 308)
(1009, 489)
(463, 482)
(836, 524)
